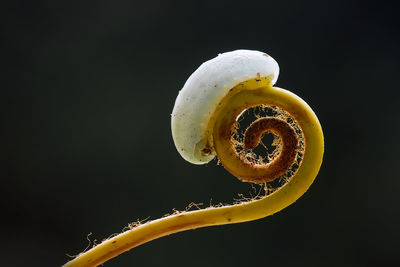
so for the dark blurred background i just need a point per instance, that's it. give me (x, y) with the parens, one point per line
(86, 96)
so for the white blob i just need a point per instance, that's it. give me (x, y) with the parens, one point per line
(202, 92)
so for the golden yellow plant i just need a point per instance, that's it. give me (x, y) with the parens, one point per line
(299, 141)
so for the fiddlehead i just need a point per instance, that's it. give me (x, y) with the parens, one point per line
(205, 123)
(237, 156)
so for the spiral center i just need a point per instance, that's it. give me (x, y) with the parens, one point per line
(268, 148)
(266, 137)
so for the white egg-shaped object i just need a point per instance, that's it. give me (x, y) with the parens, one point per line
(203, 91)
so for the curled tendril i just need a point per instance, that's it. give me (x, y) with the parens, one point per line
(299, 132)
(237, 163)
(260, 173)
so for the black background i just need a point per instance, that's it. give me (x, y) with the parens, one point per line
(87, 92)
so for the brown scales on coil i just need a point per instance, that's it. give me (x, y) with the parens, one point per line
(287, 156)
(279, 165)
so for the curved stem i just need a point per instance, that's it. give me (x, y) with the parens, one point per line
(243, 212)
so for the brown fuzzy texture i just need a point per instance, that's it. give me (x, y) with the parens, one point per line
(289, 148)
